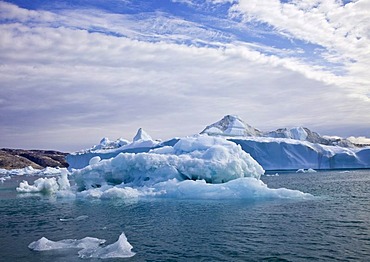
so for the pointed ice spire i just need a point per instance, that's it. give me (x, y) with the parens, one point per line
(104, 141)
(141, 135)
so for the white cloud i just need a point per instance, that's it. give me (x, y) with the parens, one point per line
(343, 30)
(72, 87)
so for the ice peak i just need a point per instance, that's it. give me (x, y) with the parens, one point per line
(231, 125)
(104, 141)
(141, 135)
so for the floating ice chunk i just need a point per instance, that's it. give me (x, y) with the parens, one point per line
(90, 247)
(120, 249)
(44, 244)
(41, 185)
(276, 174)
(46, 185)
(310, 170)
(4, 178)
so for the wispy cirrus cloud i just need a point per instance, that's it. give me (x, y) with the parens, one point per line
(342, 30)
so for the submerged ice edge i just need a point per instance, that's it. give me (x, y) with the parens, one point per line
(89, 247)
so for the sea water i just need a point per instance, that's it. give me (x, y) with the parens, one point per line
(332, 226)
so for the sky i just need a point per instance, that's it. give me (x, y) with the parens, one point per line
(72, 72)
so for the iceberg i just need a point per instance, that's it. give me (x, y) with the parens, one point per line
(282, 149)
(195, 167)
(201, 157)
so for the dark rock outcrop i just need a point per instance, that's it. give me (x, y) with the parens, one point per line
(20, 158)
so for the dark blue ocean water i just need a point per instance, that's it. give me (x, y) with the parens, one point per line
(334, 226)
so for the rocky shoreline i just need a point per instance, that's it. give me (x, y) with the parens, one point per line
(20, 158)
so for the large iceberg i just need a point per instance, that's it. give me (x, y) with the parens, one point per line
(225, 161)
(195, 167)
(212, 159)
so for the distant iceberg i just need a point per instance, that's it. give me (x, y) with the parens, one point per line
(290, 154)
(234, 126)
(292, 149)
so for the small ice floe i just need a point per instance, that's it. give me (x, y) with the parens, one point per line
(310, 170)
(276, 174)
(90, 247)
(4, 178)
(79, 218)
